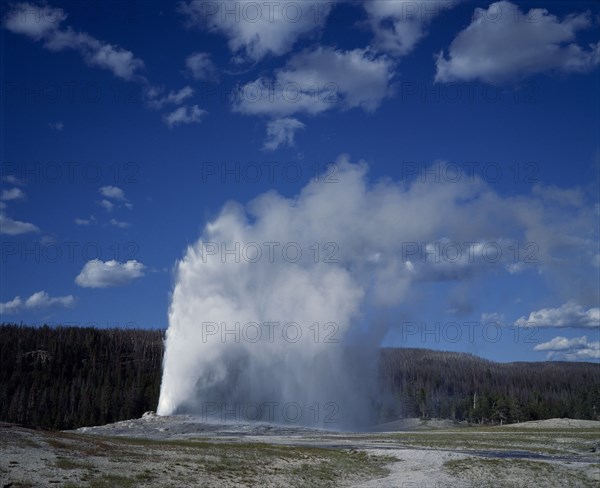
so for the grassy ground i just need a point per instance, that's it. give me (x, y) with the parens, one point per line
(516, 473)
(69, 460)
(540, 441)
(31, 458)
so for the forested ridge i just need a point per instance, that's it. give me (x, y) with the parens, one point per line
(438, 384)
(68, 377)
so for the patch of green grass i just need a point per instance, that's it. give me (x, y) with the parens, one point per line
(544, 443)
(113, 481)
(516, 473)
(58, 444)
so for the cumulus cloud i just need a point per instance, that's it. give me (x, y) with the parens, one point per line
(254, 29)
(99, 274)
(12, 194)
(11, 306)
(201, 67)
(568, 315)
(493, 318)
(38, 300)
(89, 221)
(106, 204)
(562, 196)
(114, 197)
(400, 24)
(113, 192)
(280, 132)
(319, 80)
(13, 227)
(43, 23)
(503, 44)
(41, 299)
(13, 180)
(34, 21)
(577, 348)
(119, 224)
(174, 97)
(184, 115)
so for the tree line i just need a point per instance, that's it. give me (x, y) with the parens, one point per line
(437, 384)
(69, 377)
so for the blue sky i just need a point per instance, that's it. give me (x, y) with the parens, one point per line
(118, 121)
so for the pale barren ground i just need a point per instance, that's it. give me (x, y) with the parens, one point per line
(183, 452)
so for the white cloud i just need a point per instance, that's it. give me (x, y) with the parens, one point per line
(201, 67)
(114, 196)
(11, 306)
(41, 299)
(503, 44)
(515, 268)
(89, 221)
(13, 180)
(577, 348)
(113, 192)
(38, 300)
(562, 196)
(119, 224)
(13, 227)
(43, 23)
(568, 315)
(184, 115)
(98, 274)
(256, 29)
(12, 194)
(316, 81)
(172, 98)
(494, 318)
(400, 24)
(281, 132)
(33, 20)
(59, 126)
(106, 204)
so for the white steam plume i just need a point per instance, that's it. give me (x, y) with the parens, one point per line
(240, 271)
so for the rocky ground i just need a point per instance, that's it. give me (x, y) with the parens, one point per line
(183, 452)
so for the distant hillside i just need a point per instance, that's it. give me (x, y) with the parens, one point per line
(67, 377)
(437, 384)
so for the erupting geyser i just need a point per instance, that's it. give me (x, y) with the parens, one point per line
(263, 310)
(272, 314)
